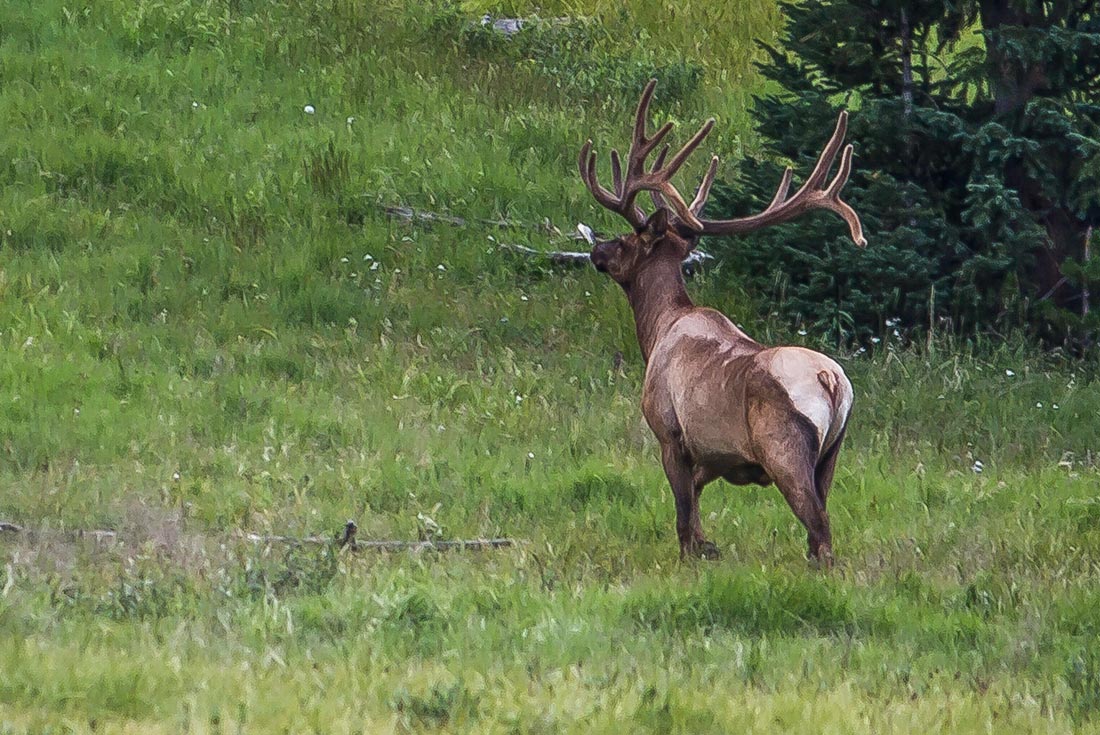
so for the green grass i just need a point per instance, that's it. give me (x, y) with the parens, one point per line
(188, 285)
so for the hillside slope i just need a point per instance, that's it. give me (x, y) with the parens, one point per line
(209, 327)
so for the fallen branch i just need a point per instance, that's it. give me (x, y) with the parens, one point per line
(509, 27)
(346, 539)
(422, 215)
(692, 264)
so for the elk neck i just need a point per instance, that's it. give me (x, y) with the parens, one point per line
(658, 297)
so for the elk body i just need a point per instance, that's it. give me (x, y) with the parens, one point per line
(720, 404)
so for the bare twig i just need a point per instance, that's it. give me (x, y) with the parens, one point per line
(345, 539)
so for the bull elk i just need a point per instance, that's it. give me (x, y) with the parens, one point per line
(720, 403)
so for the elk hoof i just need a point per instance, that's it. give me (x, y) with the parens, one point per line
(700, 550)
(822, 558)
(707, 550)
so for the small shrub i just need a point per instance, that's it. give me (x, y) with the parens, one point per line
(1083, 679)
(438, 706)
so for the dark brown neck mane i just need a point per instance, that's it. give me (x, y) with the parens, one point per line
(658, 297)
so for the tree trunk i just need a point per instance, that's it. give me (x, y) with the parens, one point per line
(1014, 85)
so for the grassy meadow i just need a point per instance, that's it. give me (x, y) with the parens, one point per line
(209, 327)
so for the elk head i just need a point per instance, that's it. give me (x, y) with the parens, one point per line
(624, 256)
(676, 226)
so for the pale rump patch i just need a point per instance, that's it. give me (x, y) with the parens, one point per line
(817, 387)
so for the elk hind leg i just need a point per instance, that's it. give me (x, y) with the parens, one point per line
(826, 466)
(793, 473)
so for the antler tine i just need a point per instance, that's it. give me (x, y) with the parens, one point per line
(643, 110)
(838, 205)
(703, 191)
(689, 148)
(639, 139)
(659, 179)
(842, 173)
(828, 155)
(589, 173)
(810, 195)
(781, 192)
(586, 162)
(658, 200)
(616, 172)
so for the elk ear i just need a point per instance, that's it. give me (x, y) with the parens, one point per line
(657, 224)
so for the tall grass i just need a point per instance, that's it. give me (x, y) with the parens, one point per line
(208, 325)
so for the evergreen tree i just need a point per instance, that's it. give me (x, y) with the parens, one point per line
(977, 165)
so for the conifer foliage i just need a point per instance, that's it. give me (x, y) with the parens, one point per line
(977, 175)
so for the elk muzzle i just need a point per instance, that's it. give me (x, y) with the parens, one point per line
(601, 254)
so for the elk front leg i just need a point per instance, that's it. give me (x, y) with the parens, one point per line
(699, 478)
(688, 526)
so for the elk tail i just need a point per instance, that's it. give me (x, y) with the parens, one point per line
(831, 385)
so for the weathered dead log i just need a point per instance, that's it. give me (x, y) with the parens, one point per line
(692, 264)
(478, 544)
(346, 539)
(511, 26)
(409, 214)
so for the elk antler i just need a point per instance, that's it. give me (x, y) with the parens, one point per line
(658, 182)
(809, 196)
(637, 179)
